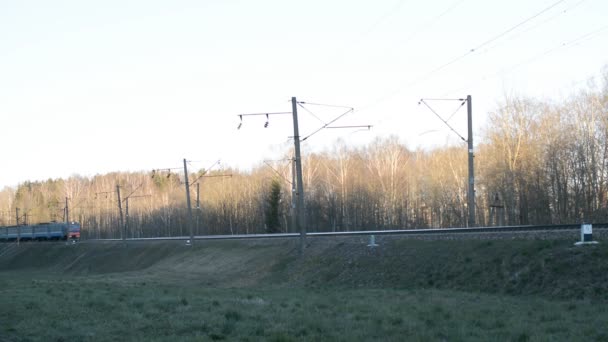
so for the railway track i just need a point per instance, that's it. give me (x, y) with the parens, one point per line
(476, 230)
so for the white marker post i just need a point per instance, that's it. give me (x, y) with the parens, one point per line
(586, 235)
(372, 241)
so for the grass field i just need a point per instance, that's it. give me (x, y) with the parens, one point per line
(242, 291)
(77, 308)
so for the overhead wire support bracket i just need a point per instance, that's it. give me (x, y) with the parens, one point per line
(423, 101)
(258, 114)
(132, 192)
(350, 109)
(222, 175)
(469, 141)
(204, 174)
(277, 172)
(324, 105)
(431, 99)
(105, 193)
(311, 113)
(352, 126)
(274, 113)
(196, 181)
(168, 170)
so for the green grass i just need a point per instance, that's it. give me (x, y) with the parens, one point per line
(549, 268)
(406, 289)
(79, 308)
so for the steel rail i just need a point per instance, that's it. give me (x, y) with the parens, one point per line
(501, 229)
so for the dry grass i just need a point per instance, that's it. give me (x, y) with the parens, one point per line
(260, 290)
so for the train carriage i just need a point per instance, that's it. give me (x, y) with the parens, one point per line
(41, 231)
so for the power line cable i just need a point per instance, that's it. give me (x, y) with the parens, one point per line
(566, 10)
(421, 28)
(514, 27)
(432, 21)
(339, 52)
(381, 19)
(503, 33)
(509, 69)
(462, 56)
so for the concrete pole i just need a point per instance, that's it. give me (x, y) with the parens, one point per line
(187, 182)
(67, 220)
(300, 185)
(67, 212)
(122, 226)
(198, 207)
(198, 195)
(471, 191)
(18, 226)
(294, 218)
(127, 216)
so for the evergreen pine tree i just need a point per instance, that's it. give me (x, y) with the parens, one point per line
(273, 224)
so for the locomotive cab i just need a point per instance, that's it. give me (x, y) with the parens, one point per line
(73, 231)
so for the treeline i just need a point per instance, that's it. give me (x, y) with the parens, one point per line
(538, 163)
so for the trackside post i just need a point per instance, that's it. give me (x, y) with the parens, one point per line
(586, 235)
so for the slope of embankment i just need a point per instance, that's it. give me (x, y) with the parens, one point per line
(524, 264)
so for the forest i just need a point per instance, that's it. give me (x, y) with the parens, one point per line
(537, 162)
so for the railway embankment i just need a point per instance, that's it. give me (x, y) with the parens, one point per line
(534, 264)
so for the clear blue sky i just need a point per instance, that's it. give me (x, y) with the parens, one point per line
(91, 87)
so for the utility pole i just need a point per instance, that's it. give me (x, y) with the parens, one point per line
(294, 224)
(300, 185)
(67, 221)
(127, 227)
(67, 212)
(198, 195)
(471, 192)
(18, 226)
(122, 226)
(127, 216)
(198, 205)
(187, 184)
(188, 202)
(469, 141)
